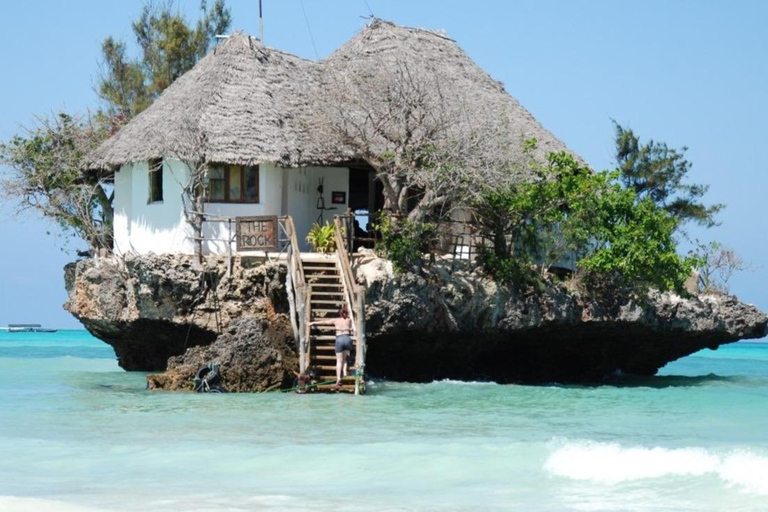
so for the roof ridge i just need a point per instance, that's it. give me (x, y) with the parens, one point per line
(375, 22)
(240, 34)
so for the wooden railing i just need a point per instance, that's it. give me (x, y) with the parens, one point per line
(354, 295)
(298, 294)
(354, 236)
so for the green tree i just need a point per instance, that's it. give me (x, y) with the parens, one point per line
(44, 163)
(634, 244)
(539, 221)
(170, 46)
(568, 209)
(656, 172)
(44, 174)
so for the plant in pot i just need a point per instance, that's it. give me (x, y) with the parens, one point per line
(321, 237)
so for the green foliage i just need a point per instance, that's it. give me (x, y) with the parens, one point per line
(508, 270)
(44, 174)
(656, 172)
(569, 210)
(404, 242)
(634, 244)
(170, 47)
(122, 85)
(322, 238)
(539, 222)
(45, 163)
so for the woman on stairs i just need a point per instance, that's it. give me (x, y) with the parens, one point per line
(344, 329)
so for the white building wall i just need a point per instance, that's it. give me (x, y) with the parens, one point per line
(161, 227)
(301, 194)
(122, 209)
(158, 227)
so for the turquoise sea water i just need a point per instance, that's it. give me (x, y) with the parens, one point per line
(79, 434)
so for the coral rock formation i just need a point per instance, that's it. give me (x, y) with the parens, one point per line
(255, 354)
(450, 323)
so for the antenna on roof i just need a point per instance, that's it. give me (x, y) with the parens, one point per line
(261, 24)
(369, 8)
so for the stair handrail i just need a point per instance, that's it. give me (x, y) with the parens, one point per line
(354, 295)
(291, 229)
(362, 345)
(298, 302)
(351, 288)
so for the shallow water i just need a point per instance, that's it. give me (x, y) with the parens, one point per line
(79, 434)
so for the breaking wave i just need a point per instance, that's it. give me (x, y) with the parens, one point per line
(612, 463)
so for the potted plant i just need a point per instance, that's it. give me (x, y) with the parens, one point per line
(322, 238)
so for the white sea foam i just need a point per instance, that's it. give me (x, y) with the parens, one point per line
(746, 470)
(465, 382)
(612, 463)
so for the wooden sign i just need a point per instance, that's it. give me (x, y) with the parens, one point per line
(257, 233)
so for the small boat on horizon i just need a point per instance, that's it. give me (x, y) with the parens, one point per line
(28, 328)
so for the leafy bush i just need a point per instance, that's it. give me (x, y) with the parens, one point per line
(322, 238)
(568, 209)
(404, 242)
(635, 242)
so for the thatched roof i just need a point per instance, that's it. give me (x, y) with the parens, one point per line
(245, 103)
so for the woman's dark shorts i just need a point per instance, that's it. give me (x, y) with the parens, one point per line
(343, 342)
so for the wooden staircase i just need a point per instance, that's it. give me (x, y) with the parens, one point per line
(318, 285)
(326, 296)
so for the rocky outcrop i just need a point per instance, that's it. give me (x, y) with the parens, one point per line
(149, 308)
(454, 323)
(450, 323)
(255, 354)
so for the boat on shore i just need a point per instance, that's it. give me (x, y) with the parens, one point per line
(28, 328)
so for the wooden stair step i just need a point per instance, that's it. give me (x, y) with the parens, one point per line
(324, 388)
(337, 302)
(324, 377)
(323, 294)
(324, 358)
(328, 368)
(308, 269)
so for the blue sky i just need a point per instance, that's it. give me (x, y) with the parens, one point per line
(690, 73)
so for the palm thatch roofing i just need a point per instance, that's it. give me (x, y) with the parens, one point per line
(245, 103)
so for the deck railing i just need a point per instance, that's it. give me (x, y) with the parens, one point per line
(460, 240)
